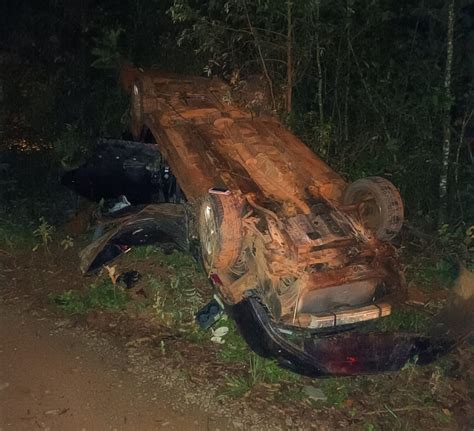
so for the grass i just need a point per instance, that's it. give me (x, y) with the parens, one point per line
(258, 370)
(431, 273)
(102, 295)
(175, 260)
(404, 319)
(140, 253)
(234, 348)
(177, 294)
(175, 286)
(336, 391)
(15, 235)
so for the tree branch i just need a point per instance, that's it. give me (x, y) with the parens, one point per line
(262, 59)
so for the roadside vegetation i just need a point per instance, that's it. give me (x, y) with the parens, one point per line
(375, 88)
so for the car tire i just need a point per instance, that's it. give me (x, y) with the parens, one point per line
(380, 206)
(220, 231)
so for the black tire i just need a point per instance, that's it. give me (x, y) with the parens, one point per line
(380, 206)
(220, 231)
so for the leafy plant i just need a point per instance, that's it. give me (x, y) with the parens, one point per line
(71, 302)
(67, 242)
(258, 370)
(335, 390)
(141, 253)
(102, 295)
(176, 299)
(44, 232)
(107, 51)
(70, 147)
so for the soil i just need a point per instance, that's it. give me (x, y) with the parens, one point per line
(106, 371)
(55, 378)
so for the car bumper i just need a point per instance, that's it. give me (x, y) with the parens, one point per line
(344, 354)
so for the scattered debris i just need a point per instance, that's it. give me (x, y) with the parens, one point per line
(314, 393)
(416, 297)
(129, 278)
(55, 412)
(210, 313)
(118, 205)
(219, 334)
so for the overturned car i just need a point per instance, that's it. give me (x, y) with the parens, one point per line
(297, 255)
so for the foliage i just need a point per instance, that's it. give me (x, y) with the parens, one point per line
(367, 81)
(257, 369)
(457, 243)
(175, 300)
(107, 50)
(44, 232)
(67, 242)
(70, 146)
(14, 234)
(102, 295)
(404, 320)
(176, 295)
(336, 391)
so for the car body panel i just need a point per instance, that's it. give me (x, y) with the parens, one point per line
(303, 249)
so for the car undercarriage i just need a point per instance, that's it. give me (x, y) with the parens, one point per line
(298, 257)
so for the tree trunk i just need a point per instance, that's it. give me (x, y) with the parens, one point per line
(260, 54)
(320, 70)
(443, 181)
(348, 73)
(289, 59)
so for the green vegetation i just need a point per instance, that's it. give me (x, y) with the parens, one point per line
(336, 391)
(44, 233)
(260, 371)
(14, 235)
(175, 260)
(404, 319)
(140, 253)
(257, 370)
(368, 426)
(176, 299)
(67, 242)
(234, 348)
(102, 295)
(174, 288)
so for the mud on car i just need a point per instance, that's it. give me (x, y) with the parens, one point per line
(296, 254)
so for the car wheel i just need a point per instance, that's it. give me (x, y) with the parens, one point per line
(379, 205)
(220, 231)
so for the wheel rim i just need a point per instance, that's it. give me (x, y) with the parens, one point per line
(370, 212)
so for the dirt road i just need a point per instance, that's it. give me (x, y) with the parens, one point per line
(55, 378)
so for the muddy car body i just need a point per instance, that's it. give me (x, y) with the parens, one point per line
(272, 218)
(296, 254)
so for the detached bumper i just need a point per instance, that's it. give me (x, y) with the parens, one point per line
(344, 354)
